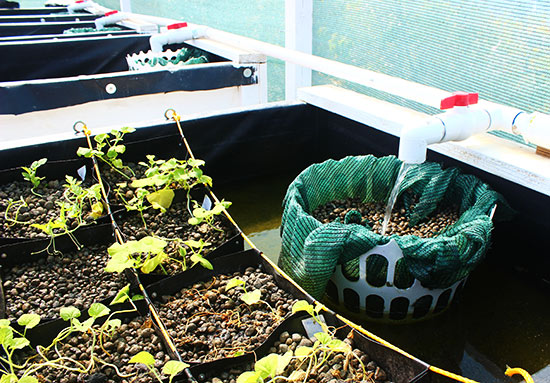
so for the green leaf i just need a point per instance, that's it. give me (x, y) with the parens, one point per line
(152, 263)
(84, 326)
(161, 199)
(119, 263)
(6, 335)
(117, 163)
(151, 245)
(112, 324)
(303, 351)
(195, 162)
(196, 258)
(193, 221)
(19, 343)
(98, 310)
(5, 323)
(28, 379)
(97, 210)
(137, 297)
(252, 297)
(338, 345)
(283, 362)
(122, 296)
(238, 353)
(68, 313)
(9, 378)
(29, 320)
(36, 164)
(267, 366)
(195, 244)
(101, 137)
(84, 152)
(127, 129)
(323, 337)
(234, 283)
(249, 377)
(174, 367)
(143, 357)
(302, 305)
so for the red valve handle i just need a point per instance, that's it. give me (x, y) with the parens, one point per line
(459, 99)
(176, 26)
(110, 13)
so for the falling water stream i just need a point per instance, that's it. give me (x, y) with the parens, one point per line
(393, 196)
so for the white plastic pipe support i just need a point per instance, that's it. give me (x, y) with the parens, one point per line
(175, 36)
(101, 22)
(75, 7)
(457, 124)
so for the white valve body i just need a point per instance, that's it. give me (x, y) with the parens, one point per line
(101, 22)
(457, 124)
(74, 7)
(175, 36)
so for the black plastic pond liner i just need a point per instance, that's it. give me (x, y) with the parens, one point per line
(67, 36)
(400, 368)
(38, 28)
(73, 57)
(46, 18)
(33, 11)
(39, 95)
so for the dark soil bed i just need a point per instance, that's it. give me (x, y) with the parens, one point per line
(207, 322)
(336, 369)
(372, 213)
(130, 338)
(72, 279)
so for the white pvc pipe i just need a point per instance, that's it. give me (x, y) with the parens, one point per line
(403, 88)
(114, 18)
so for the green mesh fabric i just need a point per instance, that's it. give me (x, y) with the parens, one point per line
(183, 57)
(90, 30)
(311, 250)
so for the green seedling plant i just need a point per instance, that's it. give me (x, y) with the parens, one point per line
(251, 297)
(108, 147)
(146, 254)
(163, 176)
(97, 334)
(12, 217)
(137, 202)
(270, 368)
(196, 257)
(29, 174)
(170, 368)
(13, 341)
(201, 215)
(71, 211)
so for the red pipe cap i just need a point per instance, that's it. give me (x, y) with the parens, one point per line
(459, 99)
(176, 26)
(110, 13)
(80, 1)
